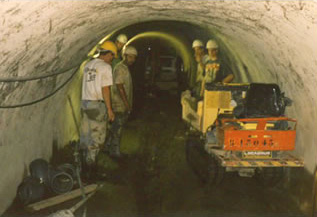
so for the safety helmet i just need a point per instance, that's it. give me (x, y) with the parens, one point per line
(197, 43)
(129, 50)
(122, 38)
(108, 46)
(212, 44)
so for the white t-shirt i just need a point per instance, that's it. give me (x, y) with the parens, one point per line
(97, 74)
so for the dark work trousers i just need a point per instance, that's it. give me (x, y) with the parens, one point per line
(115, 133)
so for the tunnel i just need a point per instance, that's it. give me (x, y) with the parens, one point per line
(261, 41)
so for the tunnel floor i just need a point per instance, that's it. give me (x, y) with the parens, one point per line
(154, 179)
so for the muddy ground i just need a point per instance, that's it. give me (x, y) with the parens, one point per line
(152, 178)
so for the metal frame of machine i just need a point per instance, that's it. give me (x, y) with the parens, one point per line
(247, 143)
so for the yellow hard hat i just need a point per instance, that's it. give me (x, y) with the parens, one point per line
(109, 46)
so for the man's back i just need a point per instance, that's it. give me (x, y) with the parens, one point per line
(97, 74)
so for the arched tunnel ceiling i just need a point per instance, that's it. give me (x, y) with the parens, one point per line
(177, 44)
(229, 21)
(269, 41)
(186, 30)
(178, 35)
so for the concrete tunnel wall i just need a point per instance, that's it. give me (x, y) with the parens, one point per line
(269, 41)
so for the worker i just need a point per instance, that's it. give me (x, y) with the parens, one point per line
(201, 59)
(121, 40)
(215, 69)
(96, 107)
(191, 99)
(121, 94)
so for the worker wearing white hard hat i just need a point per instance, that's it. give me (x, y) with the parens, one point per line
(121, 95)
(197, 44)
(120, 41)
(201, 59)
(215, 70)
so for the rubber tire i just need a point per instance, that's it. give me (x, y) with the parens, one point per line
(269, 176)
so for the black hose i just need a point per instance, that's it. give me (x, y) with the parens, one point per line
(43, 98)
(35, 77)
(61, 182)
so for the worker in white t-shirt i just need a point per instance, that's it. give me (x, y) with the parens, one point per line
(96, 107)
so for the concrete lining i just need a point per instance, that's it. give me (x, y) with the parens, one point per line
(269, 41)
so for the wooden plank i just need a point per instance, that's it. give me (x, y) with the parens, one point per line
(80, 203)
(60, 198)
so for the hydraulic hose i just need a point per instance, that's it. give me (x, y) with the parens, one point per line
(43, 98)
(35, 77)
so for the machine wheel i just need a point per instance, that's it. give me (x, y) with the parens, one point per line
(197, 158)
(204, 165)
(215, 172)
(269, 176)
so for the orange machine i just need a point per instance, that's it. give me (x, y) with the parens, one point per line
(256, 134)
(243, 129)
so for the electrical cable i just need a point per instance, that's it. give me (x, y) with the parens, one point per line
(31, 78)
(43, 98)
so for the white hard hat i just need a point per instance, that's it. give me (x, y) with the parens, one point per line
(122, 38)
(130, 50)
(212, 44)
(197, 43)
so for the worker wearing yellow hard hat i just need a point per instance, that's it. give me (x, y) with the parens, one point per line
(96, 109)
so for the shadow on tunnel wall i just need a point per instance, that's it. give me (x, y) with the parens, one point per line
(283, 30)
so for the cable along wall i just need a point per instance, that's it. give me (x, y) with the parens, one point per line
(270, 41)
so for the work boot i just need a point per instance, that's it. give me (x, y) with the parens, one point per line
(107, 145)
(115, 151)
(85, 173)
(106, 149)
(89, 175)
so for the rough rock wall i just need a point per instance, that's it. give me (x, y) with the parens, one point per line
(270, 41)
